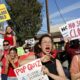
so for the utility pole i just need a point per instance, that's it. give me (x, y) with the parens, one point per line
(47, 16)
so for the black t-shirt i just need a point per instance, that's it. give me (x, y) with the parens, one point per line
(51, 67)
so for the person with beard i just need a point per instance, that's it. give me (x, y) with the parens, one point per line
(45, 46)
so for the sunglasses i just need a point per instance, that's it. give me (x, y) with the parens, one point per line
(5, 44)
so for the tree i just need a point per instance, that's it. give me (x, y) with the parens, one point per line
(26, 15)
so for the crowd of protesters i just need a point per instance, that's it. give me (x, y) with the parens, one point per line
(43, 49)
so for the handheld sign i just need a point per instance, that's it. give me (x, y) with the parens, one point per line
(30, 41)
(31, 71)
(4, 15)
(64, 31)
(20, 51)
(74, 29)
(1, 43)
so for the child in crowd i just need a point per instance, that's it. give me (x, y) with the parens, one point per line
(12, 63)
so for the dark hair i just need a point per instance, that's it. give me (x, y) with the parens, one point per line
(37, 50)
(14, 49)
(45, 35)
(74, 43)
(6, 41)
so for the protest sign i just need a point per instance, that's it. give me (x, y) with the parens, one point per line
(64, 31)
(1, 43)
(4, 15)
(31, 71)
(20, 51)
(74, 29)
(31, 42)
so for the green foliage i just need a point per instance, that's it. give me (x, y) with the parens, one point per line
(26, 14)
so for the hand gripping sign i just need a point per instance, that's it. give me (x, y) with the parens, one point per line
(31, 71)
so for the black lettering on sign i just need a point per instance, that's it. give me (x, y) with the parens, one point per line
(64, 28)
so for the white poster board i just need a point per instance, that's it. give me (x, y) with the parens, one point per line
(74, 29)
(31, 71)
(1, 43)
(64, 31)
(30, 41)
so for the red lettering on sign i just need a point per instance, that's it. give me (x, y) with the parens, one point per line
(73, 33)
(71, 25)
(39, 63)
(78, 23)
(29, 66)
(21, 70)
(78, 30)
(33, 65)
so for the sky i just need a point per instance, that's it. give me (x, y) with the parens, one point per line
(60, 11)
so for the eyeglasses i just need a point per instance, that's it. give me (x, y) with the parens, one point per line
(5, 44)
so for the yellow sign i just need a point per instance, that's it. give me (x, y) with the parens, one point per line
(4, 15)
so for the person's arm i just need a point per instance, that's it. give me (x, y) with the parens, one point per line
(12, 62)
(2, 32)
(14, 41)
(53, 76)
(60, 70)
(1, 54)
(74, 69)
(75, 76)
(7, 65)
(27, 60)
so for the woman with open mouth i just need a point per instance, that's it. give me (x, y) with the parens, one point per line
(52, 68)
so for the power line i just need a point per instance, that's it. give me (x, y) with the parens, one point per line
(60, 12)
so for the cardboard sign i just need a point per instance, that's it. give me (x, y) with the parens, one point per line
(31, 71)
(30, 41)
(1, 43)
(64, 31)
(4, 15)
(20, 51)
(74, 29)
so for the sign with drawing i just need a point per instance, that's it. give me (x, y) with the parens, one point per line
(31, 42)
(31, 71)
